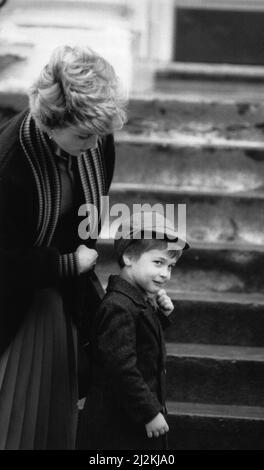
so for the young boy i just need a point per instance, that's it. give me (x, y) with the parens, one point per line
(125, 406)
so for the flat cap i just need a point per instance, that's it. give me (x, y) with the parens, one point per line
(147, 225)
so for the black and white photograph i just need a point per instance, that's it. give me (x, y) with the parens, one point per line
(131, 227)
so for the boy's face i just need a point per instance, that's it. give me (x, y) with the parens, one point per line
(152, 270)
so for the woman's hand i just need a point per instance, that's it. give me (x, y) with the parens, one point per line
(86, 258)
(157, 426)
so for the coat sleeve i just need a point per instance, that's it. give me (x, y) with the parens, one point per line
(166, 320)
(116, 339)
(21, 264)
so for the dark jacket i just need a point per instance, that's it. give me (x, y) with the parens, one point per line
(24, 268)
(128, 372)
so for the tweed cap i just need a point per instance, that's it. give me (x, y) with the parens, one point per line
(147, 225)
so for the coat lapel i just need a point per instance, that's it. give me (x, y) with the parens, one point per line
(148, 316)
(117, 283)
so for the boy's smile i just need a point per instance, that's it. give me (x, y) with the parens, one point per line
(152, 270)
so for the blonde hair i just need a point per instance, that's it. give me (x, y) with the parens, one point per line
(78, 88)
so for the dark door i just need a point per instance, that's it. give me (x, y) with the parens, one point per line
(219, 36)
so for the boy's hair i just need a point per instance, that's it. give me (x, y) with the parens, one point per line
(139, 246)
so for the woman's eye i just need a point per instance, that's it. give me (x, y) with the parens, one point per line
(81, 137)
(158, 263)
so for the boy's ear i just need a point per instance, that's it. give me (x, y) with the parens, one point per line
(127, 260)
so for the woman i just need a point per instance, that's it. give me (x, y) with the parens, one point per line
(54, 157)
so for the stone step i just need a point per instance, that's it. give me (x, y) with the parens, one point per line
(198, 426)
(195, 89)
(214, 216)
(225, 319)
(214, 268)
(179, 119)
(215, 374)
(213, 81)
(163, 114)
(190, 162)
(213, 72)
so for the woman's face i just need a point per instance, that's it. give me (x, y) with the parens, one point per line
(74, 141)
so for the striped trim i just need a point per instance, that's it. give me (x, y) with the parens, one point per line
(46, 175)
(93, 177)
(69, 265)
(92, 173)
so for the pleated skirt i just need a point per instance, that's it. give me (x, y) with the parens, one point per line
(38, 380)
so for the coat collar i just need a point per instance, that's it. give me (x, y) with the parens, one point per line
(119, 284)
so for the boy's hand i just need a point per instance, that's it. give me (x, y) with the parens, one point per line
(164, 302)
(157, 426)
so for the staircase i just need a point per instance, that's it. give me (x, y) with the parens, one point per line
(199, 140)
